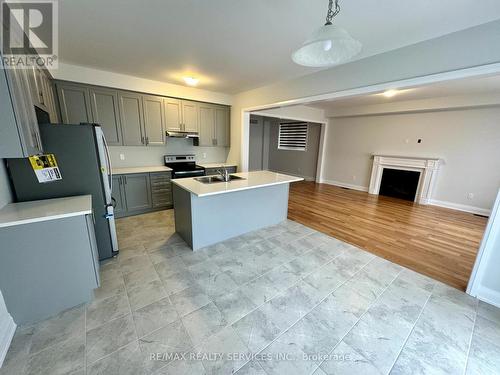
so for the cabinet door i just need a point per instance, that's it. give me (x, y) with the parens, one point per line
(105, 112)
(137, 192)
(207, 125)
(74, 101)
(222, 126)
(189, 116)
(131, 115)
(48, 93)
(173, 114)
(24, 111)
(118, 195)
(154, 121)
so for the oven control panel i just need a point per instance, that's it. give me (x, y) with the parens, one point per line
(179, 158)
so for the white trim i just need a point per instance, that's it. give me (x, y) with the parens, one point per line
(344, 185)
(321, 152)
(477, 71)
(475, 287)
(7, 330)
(488, 295)
(460, 207)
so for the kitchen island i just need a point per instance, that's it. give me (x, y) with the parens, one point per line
(208, 213)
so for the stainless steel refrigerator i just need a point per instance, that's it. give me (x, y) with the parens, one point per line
(83, 159)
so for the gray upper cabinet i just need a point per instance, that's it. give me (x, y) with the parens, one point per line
(214, 125)
(207, 125)
(189, 116)
(173, 114)
(131, 114)
(222, 131)
(137, 191)
(74, 103)
(105, 112)
(19, 126)
(154, 120)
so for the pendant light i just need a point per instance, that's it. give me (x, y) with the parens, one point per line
(329, 45)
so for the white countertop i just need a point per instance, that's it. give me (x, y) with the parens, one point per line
(251, 180)
(129, 170)
(216, 165)
(44, 210)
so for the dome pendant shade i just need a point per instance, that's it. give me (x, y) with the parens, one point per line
(327, 46)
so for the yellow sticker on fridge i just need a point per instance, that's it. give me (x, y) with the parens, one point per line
(45, 168)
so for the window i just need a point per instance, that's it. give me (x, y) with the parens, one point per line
(293, 136)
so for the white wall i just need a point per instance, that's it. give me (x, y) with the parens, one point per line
(468, 141)
(436, 56)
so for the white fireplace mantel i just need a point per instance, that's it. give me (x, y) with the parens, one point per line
(428, 168)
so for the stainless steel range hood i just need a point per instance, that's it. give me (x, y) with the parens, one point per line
(181, 134)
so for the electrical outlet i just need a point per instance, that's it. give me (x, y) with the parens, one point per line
(204, 155)
(407, 140)
(470, 196)
(122, 156)
(354, 178)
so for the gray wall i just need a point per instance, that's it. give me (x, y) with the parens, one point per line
(468, 141)
(150, 156)
(264, 153)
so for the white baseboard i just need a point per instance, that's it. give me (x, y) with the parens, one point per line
(344, 185)
(7, 330)
(461, 207)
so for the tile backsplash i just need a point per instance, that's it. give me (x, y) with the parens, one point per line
(137, 156)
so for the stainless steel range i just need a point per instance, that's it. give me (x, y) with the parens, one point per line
(183, 166)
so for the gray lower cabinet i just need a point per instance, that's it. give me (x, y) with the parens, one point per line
(213, 171)
(74, 103)
(105, 112)
(118, 195)
(137, 192)
(141, 192)
(54, 266)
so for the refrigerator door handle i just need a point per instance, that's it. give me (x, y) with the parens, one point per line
(108, 162)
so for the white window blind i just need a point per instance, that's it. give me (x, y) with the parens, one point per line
(293, 136)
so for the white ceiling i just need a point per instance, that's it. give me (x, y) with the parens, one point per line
(467, 86)
(235, 45)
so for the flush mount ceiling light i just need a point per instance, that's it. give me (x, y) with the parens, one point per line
(329, 45)
(390, 93)
(191, 81)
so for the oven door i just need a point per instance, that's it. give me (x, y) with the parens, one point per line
(185, 174)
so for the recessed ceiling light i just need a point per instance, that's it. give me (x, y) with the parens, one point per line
(191, 81)
(390, 93)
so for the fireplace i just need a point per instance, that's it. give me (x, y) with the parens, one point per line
(426, 170)
(399, 183)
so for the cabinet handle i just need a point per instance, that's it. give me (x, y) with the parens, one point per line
(147, 141)
(125, 180)
(142, 139)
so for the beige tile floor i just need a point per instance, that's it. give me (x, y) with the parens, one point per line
(282, 300)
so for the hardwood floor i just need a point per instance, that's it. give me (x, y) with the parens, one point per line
(434, 241)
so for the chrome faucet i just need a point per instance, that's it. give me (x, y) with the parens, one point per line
(224, 173)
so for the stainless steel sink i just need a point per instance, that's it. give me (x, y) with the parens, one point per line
(215, 179)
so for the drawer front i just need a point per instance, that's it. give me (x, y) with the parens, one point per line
(161, 185)
(162, 198)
